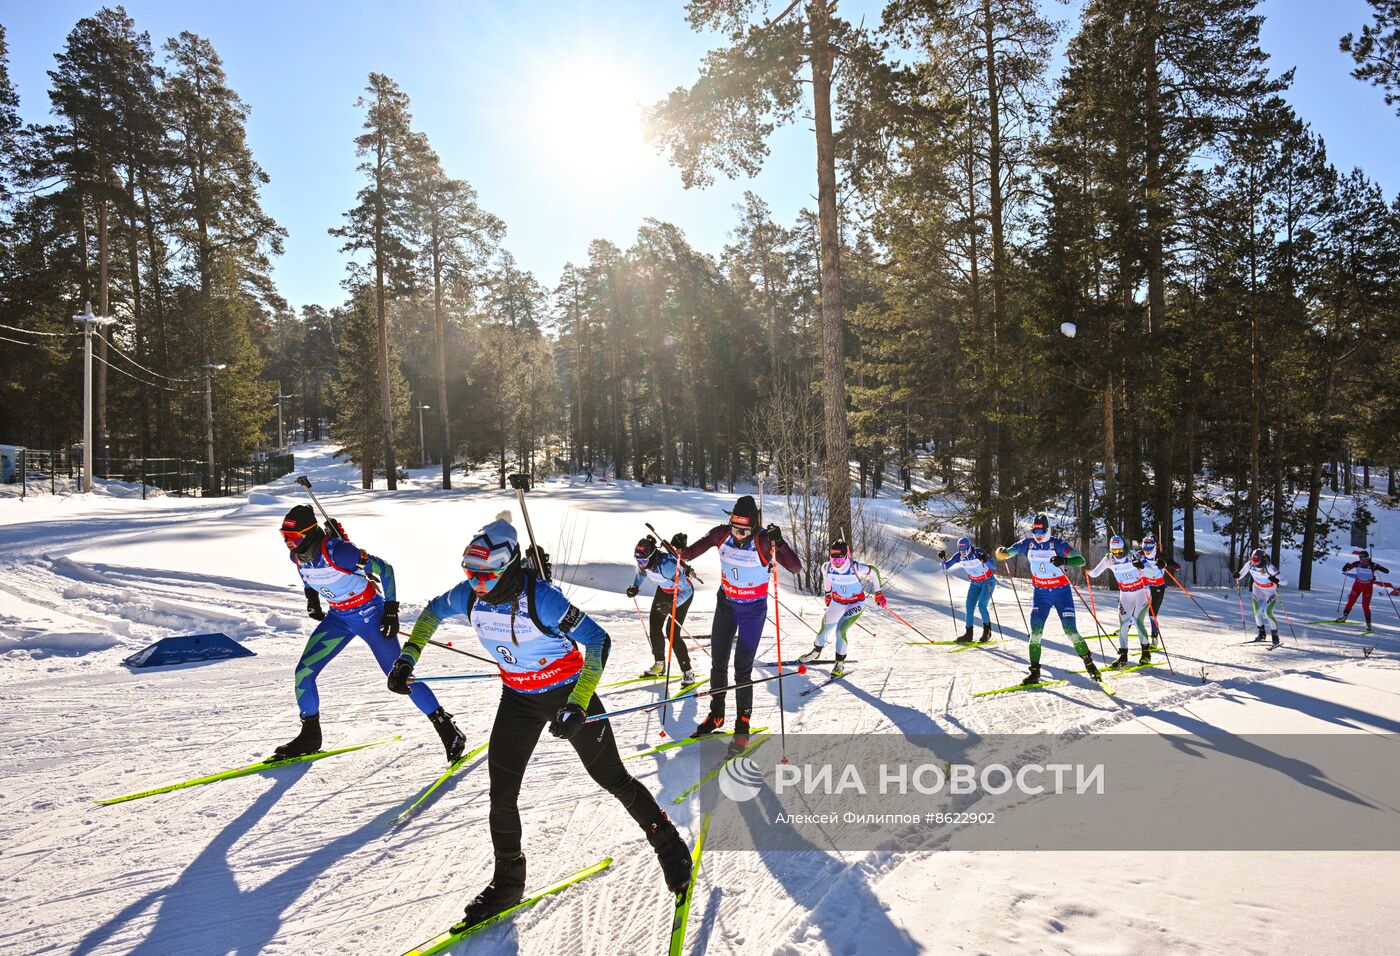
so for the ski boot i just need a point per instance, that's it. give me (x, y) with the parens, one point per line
(1341, 620)
(687, 678)
(740, 741)
(986, 632)
(453, 740)
(306, 742)
(1122, 659)
(811, 655)
(840, 669)
(966, 636)
(709, 725)
(1033, 677)
(672, 853)
(655, 670)
(1367, 629)
(1276, 642)
(1091, 668)
(507, 887)
(1146, 657)
(1260, 636)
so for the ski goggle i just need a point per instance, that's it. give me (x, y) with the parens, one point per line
(838, 558)
(739, 530)
(481, 578)
(1040, 532)
(294, 539)
(1256, 558)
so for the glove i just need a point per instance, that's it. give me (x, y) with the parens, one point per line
(1139, 563)
(313, 605)
(942, 555)
(568, 721)
(401, 676)
(880, 599)
(389, 622)
(679, 540)
(543, 568)
(632, 590)
(335, 527)
(775, 534)
(1058, 561)
(1349, 565)
(828, 598)
(1273, 578)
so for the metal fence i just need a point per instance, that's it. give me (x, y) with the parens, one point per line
(44, 472)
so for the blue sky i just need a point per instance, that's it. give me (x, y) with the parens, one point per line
(499, 88)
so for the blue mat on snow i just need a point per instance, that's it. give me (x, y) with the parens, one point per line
(188, 649)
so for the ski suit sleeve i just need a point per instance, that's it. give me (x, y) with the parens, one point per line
(1243, 571)
(1274, 572)
(786, 556)
(945, 565)
(879, 582)
(350, 559)
(1381, 569)
(826, 579)
(1007, 554)
(454, 602)
(1099, 568)
(639, 579)
(712, 539)
(554, 611)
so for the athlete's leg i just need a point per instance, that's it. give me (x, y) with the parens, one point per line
(328, 640)
(722, 631)
(750, 619)
(656, 633)
(673, 632)
(514, 734)
(597, 749)
(386, 651)
(848, 620)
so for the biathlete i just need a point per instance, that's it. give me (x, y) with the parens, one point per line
(982, 581)
(673, 592)
(1048, 557)
(550, 655)
(741, 607)
(844, 586)
(333, 568)
(1264, 583)
(1128, 568)
(1363, 581)
(1154, 569)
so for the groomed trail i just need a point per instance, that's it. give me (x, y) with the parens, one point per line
(308, 859)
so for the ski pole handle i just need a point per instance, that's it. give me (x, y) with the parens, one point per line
(689, 571)
(801, 669)
(521, 484)
(305, 482)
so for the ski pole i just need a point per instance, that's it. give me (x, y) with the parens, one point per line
(665, 543)
(1240, 595)
(1161, 634)
(521, 484)
(1341, 593)
(891, 612)
(424, 680)
(693, 695)
(641, 619)
(1389, 596)
(1289, 620)
(671, 638)
(455, 650)
(951, 612)
(777, 620)
(798, 613)
(1016, 592)
(1093, 611)
(1190, 595)
(305, 482)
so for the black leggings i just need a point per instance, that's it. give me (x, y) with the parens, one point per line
(661, 627)
(520, 719)
(1155, 593)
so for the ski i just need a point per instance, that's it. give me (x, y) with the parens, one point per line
(754, 745)
(794, 662)
(682, 913)
(1128, 668)
(459, 932)
(934, 643)
(656, 680)
(258, 767)
(456, 765)
(830, 680)
(1103, 685)
(1342, 623)
(684, 741)
(973, 646)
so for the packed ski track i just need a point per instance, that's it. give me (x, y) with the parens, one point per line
(309, 858)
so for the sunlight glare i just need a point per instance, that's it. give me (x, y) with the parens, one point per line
(587, 120)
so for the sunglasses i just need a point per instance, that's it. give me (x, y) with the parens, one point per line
(740, 531)
(293, 539)
(481, 575)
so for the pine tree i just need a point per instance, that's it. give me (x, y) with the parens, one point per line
(1377, 50)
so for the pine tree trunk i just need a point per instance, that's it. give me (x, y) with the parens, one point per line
(838, 454)
(104, 306)
(386, 404)
(440, 340)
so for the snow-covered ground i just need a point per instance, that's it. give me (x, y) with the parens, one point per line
(306, 858)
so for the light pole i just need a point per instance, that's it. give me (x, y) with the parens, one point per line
(422, 449)
(88, 320)
(209, 369)
(278, 402)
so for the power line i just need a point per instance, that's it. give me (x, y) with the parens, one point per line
(143, 368)
(122, 371)
(15, 328)
(22, 341)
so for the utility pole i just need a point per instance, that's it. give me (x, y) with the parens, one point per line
(278, 402)
(209, 369)
(88, 320)
(422, 448)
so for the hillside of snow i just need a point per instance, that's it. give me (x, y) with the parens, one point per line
(307, 858)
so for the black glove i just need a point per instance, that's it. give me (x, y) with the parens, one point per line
(335, 527)
(568, 721)
(632, 590)
(389, 622)
(1273, 578)
(401, 676)
(1349, 565)
(942, 555)
(539, 560)
(679, 540)
(313, 605)
(1058, 561)
(775, 534)
(1139, 563)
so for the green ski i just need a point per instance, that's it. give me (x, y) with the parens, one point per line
(937, 643)
(684, 741)
(682, 914)
(1339, 623)
(457, 764)
(258, 767)
(757, 742)
(973, 647)
(459, 932)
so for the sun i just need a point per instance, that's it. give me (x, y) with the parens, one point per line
(585, 115)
